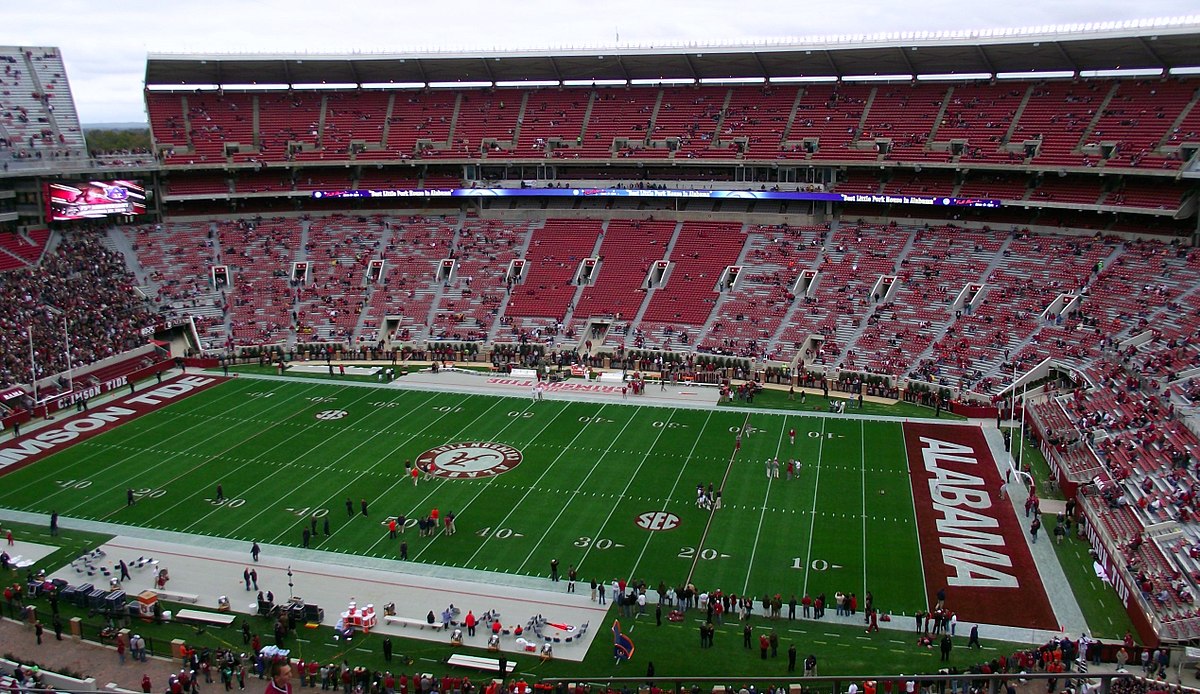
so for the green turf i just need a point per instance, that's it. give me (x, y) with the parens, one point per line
(1099, 602)
(845, 523)
(589, 471)
(318, 375)
(776, 399)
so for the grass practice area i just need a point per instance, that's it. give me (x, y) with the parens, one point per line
(608, 488)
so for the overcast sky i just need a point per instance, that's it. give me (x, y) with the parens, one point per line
(105, 45)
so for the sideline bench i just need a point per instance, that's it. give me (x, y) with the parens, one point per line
(479, 662)
(173, 596)
(221, 619)
(410, 622)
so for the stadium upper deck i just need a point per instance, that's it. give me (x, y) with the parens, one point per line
(983, 99)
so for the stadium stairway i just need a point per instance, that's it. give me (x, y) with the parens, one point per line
(790, 317)
(713, 315)
(637, 319)
(928, 352)
(117, 242)
(360, 327)
(522, 252)
(850, 338)
(439, 286)
(301, 256)
(567, 319)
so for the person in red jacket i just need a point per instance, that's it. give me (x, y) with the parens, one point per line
(470, 622)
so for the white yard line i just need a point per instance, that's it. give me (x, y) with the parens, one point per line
(813, 517)
(763, 514)
(862, 440)
(912, 499)
(398, 446)
(621, 495)
(671, 494)
(281, 468)
(484, 487)
(65, 470)
(567, 503)
(176, 454)
(530, 489)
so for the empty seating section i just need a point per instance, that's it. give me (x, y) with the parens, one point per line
(690, 114)
(905, 115)
(27, 248)
(210, 184)
(1069, 122)
(831, 114)
(385, 179)
(167, 122)
(859, 181)
(754, 309)
(1019, 288)
(855, 258)
(411, 256)
(925, 182)
(217, 122)
(323, 179)
(471, 302)
(329, 304)
(979, 115)
(176, 258)
(1057, 114)
(1083, 190)
(354, 117)
(556, 250)
(268, 181)
(627, 253)
(1157, 194)
(700, 255)
(760, 115)
(616, 113)
(487, 115)
(260, 256)
(551, 114)
(994, 186)
(288, 123)
(1188, 129)
(420, 123)
(1137, 118)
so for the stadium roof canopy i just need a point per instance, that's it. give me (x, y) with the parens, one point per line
(1151, 44)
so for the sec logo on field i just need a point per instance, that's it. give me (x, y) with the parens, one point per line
(469, 460)
(657, 520)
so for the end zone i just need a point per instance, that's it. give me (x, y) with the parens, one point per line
(32, 447)
(971, 545)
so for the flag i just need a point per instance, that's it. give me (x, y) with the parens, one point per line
(622, 644)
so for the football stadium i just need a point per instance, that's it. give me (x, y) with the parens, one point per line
(861, 363)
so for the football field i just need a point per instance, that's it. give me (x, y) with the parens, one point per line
(607, 488)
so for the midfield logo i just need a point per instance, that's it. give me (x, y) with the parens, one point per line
(469, 460)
